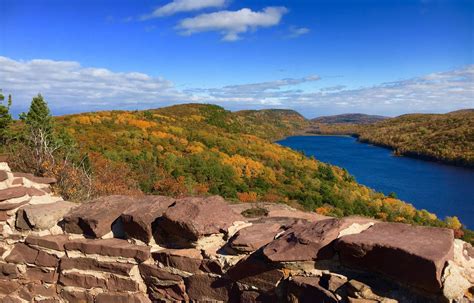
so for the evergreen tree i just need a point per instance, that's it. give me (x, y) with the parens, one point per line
(39, 117)
(5, 117)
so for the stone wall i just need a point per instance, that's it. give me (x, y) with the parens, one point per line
(160, 249)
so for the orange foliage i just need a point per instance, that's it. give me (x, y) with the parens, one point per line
(172, 187)
(247, 197)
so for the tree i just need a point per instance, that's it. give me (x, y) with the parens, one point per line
(39, 134)
(5, 117)
(39, 117)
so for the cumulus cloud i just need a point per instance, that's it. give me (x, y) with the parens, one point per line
(232, 23)
(295, 32)
(71, 87)
(178, 6)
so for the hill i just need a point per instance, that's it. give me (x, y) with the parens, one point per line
(198, 149)
(448, 138)
(349, 119)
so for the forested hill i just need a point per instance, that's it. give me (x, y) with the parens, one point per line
(349, 118)
(447, 138)
(204, 149)
(442, 137)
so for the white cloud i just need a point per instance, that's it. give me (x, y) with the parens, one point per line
(295, 32)
(232, 23)
(178, 6)
(70, 87)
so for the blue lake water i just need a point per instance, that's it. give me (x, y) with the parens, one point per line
(442, 189)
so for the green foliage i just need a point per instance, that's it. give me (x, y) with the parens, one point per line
(447, 137)
(38, 117)
(197, 149)
(5, 117)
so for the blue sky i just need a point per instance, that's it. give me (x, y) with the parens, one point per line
(318, 57)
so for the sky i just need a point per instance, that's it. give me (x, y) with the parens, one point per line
(385, 57)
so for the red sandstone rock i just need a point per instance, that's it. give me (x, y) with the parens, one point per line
(309, 241)
(4, 206)
(95, 218)
(138, 218)
(47, 260)
(93, 264)
(255, 271)
(308, 290)
(22, 254)
(33, 178)
(121, 298)
(76, 296)
(188, 260)
(261, 233)
(3, 175)
(12, 193)
(110, 247)
(8, 286)
(189, 219)
(9, 271)
(41, 274)
(410, 254)
(202, 287)
(81, 280)
(163, 285)
(55, 242)
(42, 216)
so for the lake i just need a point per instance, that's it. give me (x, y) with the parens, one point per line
(441, 189)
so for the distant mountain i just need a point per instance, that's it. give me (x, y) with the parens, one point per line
(349, 119)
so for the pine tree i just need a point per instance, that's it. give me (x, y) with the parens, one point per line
(39, 117)
(5, 117)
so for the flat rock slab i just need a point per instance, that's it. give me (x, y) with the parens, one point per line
(96, 265)
(42, 216)
(276, 210)
(260, 233)
(409, 254)
(13, 193)
(189, 219)
(95, 218)
(55, 242)
(110, 247)
(310, 241)
(188, 260)
(138, 218)
(33, 178)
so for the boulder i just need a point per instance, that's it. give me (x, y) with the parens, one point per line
(312, 240)
(190, 219)
(13, 193)
(308, 290)
(95, 218)
(110, 247)
(137, 219)
(42, 216)
(188, 260)
(413, 255)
